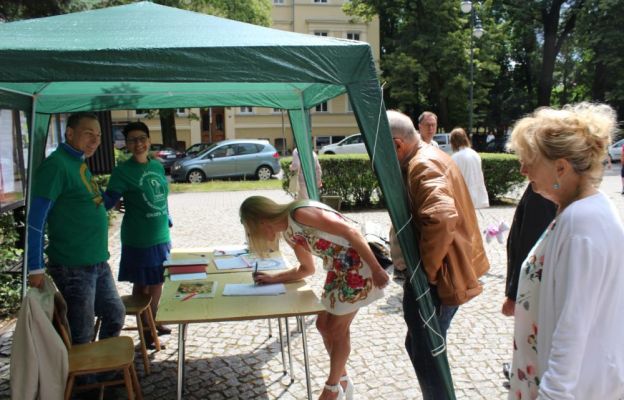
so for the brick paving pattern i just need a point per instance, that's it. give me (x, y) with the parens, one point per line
(238, 360)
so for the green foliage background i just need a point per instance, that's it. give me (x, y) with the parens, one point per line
(351, 177)
(10, 282)
(533, 53)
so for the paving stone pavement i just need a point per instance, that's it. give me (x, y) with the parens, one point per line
(238, 360)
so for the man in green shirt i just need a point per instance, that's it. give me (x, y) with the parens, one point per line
(65, 195)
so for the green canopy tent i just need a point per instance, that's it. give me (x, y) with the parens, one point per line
(147, 56)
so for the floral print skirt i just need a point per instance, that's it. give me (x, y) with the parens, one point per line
(348, 285)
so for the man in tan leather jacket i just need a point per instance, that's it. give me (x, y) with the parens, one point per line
(449, 242)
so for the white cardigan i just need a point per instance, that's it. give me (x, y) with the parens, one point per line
(581, 308)
(39, 362)
(469, 164)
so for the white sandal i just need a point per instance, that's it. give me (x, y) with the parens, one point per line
(350, 389)
(337, 388)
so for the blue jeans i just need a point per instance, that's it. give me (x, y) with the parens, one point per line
(89, 291)
(430, 381)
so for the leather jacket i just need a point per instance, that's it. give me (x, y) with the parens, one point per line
(450, 243)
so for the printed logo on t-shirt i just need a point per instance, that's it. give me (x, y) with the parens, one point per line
(154, 193)
(91, 185)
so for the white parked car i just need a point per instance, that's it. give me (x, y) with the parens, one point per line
(353, 144)
(615, 151)
(444, 142)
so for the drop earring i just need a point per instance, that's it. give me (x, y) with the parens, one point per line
(556, 186)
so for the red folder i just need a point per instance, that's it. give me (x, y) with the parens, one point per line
(187, 269)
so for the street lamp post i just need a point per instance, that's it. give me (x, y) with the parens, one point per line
(476, 31)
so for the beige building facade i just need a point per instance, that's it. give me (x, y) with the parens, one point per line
(331, 121)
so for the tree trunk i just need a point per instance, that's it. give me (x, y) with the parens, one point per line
(553, 40)
(599, 83)
(168, 128)
(549, 54)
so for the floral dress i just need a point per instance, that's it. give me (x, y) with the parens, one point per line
(349, 284)
(524, 376)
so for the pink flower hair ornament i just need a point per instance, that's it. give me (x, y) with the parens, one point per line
(497, 232)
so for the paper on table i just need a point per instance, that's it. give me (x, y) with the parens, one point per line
(230, 250)
(265, 264)
(249, 289)
(185, 261)
(231, 263)
(189, 277)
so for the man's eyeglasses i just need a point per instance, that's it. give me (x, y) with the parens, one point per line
(138, 139)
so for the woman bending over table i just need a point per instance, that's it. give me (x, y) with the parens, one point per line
(354, 277)
(569, 322)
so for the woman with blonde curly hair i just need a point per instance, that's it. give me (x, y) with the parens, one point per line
(569, 322)
(354, 277)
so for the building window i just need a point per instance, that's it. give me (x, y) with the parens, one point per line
(277, 111)
(320, 33)
(182, 112)
(353, 35)
(141, 112)
(321, 107)
(280, 145)
(13, 158)
(321, 1)
(246, 110)
(278, 1)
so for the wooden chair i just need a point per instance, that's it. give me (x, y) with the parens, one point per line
(107, 355)
(137, 305)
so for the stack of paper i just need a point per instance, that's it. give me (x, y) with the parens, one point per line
(229, 250)
(249, 289)
(185, 261)
(187, 272)
(231, 263)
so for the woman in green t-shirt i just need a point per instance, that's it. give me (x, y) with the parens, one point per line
(145, 235)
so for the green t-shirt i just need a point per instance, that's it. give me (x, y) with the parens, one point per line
(144, 189)
(77, 222)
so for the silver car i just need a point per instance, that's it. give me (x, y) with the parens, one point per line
(444, 142)
(353, 144)
(227, 159)
(615, 150)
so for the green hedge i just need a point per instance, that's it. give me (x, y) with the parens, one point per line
(501, 172)
(348, 176)
(351, 177)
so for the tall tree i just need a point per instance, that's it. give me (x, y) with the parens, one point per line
(545, 25)
(425, 57)
(558, 18)
(11, 10)
(601, 50)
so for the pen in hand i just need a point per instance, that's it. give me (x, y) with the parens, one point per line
(255, 272)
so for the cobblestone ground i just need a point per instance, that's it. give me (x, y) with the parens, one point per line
(238, 360)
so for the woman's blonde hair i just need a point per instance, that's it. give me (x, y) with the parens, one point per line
(258, 209)
(579, 133)
(459, 139)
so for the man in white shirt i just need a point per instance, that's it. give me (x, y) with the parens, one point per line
(427, 127)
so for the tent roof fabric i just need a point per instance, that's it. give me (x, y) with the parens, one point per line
(150, 43)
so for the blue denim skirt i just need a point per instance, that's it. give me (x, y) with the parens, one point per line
(143, 266)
